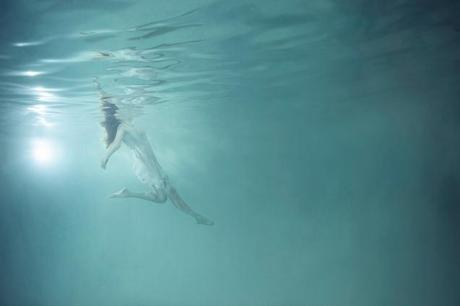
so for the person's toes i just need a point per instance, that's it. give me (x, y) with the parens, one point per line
(120, 194)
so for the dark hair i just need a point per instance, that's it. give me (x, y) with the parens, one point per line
(111, 122)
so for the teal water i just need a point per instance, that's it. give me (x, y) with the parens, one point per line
(321, 137)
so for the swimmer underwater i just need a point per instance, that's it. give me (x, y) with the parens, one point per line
(145, 166)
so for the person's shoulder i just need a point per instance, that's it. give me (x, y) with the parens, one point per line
(127, 127)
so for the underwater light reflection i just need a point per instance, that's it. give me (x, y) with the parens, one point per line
(41, 111)
(43, 152)
(44, 94)
(31, 73)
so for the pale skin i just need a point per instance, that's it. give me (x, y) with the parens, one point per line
(161, 190)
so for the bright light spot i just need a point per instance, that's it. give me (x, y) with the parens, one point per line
(31, 73)
(26, 73)
(28, 43)
(44, 94)
(43, 152)
(38, 109)
(39, 88)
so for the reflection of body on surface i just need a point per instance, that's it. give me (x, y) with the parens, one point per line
(145, 164)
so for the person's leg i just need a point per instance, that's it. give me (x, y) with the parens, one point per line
(180, 204)
(158, 195)
(155, 195)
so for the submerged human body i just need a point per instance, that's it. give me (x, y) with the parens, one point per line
(145, 164)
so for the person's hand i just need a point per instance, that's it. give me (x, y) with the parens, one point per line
(104, 163)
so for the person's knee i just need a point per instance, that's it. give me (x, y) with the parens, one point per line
(162, 197)
(159, 196)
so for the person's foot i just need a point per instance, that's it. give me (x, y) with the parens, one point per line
(203, 220)
(104, 163)
(122, 193)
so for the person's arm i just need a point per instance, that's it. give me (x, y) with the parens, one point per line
(114, 146)
(99, 88)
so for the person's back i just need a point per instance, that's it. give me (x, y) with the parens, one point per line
(145, 163)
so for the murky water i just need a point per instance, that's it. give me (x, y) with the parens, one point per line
(321, 137)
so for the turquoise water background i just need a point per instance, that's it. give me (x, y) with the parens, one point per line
(321, 137)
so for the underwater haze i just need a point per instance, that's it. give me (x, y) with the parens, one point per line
(322, 138)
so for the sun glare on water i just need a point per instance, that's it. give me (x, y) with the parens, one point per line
(43, 152)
